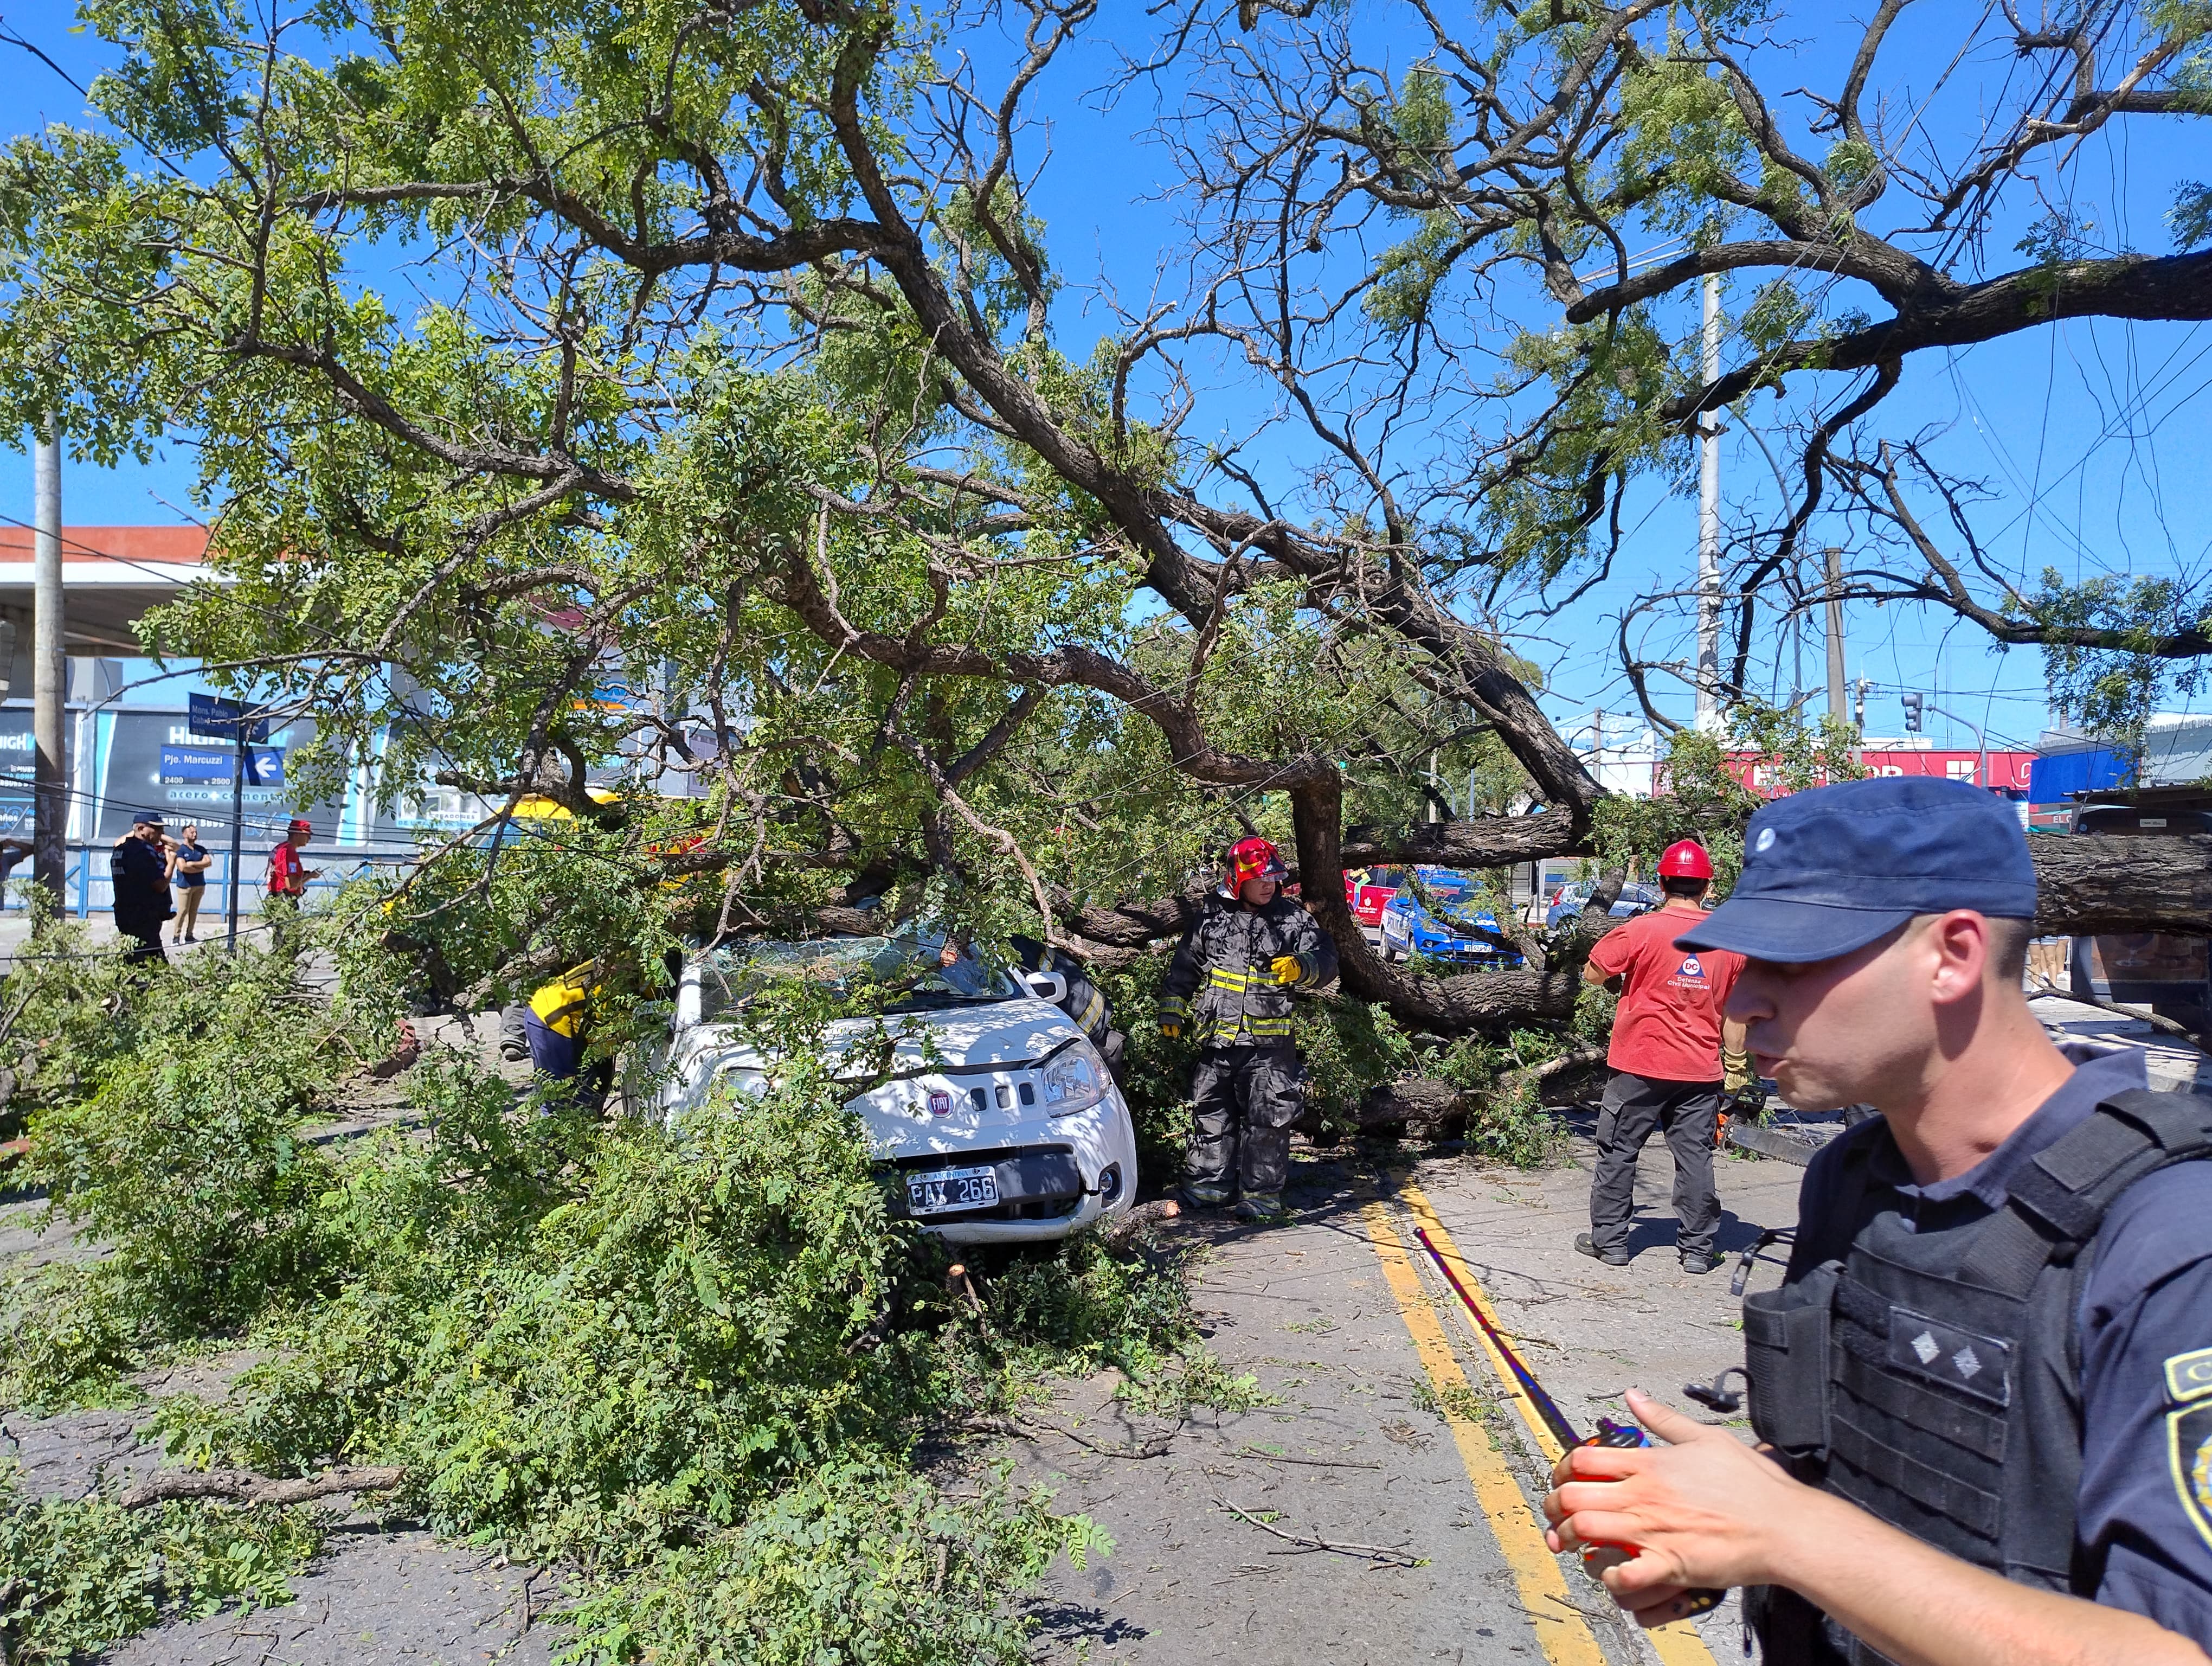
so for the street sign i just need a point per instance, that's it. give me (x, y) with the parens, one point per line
(222, 720)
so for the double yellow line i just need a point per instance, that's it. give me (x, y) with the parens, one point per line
(1561, 1630)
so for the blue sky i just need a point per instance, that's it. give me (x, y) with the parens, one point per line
(2091, 437)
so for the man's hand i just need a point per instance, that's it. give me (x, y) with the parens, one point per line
(1287, 968)
(1171, 1028)
(1705, 1509)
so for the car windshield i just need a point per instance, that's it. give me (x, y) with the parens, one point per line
(911, 968)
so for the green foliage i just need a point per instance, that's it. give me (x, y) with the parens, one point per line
(165, 1118)
(2111, 691)
(853, 1563)
(2191, 217)
(690, 1367)
(1703, 801)
(78, 1573)
(1348, 1046)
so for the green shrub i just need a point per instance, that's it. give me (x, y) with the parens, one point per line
(78, 1573)
(855, 1563)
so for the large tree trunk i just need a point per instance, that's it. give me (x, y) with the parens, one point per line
(2092, 882)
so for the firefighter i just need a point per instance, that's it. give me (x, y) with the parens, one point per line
(1232, 976)
(1083, 1002)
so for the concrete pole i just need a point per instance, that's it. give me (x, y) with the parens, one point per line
(49, 672)
(1708, 523)
(1836, 707)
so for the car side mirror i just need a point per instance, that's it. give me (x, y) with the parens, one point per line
(1048, 987)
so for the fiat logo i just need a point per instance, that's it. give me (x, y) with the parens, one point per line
(940, 1104)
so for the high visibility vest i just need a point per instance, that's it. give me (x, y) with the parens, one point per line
(560, 1005)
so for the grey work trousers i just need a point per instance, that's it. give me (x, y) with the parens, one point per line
(1635, 1108)
(1243, 1100)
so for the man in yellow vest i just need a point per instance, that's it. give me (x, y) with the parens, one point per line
(556, 1028)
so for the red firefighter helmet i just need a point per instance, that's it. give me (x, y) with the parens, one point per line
(1253, 859)
(1685, 859)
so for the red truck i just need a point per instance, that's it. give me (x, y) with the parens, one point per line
(1367, 890)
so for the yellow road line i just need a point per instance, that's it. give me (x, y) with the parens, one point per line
(1677, 1644)
(1561, 1631)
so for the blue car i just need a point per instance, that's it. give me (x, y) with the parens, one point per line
(1632, 901)
(1409, 929)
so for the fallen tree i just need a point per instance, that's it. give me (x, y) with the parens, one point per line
(737, 441)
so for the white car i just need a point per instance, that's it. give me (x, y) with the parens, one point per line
(1014, 1132)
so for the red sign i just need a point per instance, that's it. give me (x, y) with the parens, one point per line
(2006, 769)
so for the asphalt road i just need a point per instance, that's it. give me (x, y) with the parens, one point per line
(1394, 1438)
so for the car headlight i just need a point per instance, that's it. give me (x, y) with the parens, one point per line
(1074, 1078)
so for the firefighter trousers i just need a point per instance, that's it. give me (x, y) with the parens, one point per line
(1243, 1100)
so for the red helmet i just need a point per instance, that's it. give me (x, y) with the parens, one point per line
(1685, 859)
(1253, 859)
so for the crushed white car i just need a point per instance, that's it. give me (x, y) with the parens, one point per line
(1006, 1126)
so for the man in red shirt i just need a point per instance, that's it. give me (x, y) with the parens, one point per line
(1668, 1039)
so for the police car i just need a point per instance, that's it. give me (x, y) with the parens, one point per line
(1409, 929)
(1000, 1116)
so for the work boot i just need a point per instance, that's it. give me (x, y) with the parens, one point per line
(1696, 1260)
(1196, 1196)
(1587, 1245)
(1260, 1206)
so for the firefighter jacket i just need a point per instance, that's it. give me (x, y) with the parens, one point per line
(1082, 1004)
(1929, 1372)
(1223, 973)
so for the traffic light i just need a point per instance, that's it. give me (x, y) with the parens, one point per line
(1913, 703)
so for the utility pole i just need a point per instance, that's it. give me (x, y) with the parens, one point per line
(49, 672)
(1708, 523)
(1836, 709)
(1433, 786)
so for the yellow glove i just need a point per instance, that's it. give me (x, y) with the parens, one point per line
(1737, 1077)
(1171, 1028)
(1287, 968)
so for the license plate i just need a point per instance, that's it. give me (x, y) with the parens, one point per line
(944, 1189)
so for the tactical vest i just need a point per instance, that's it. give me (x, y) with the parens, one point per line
(1933, 1377)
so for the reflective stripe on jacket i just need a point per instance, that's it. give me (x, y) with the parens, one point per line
(1224, 971)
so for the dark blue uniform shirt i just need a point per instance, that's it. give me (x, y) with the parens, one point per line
(2146, 1493)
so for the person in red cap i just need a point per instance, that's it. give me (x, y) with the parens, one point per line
(288, 875)
(1668, 1039)
(1232, 975)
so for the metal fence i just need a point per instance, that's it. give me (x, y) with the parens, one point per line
(88, 891)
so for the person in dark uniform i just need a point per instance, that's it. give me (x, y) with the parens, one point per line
(1983, 1390)
(138, 868)
(1083, 1003)
(1232, 975)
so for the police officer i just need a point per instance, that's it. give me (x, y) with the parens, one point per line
(1232, 975)
(1984, 1387)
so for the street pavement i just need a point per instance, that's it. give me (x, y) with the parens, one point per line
(1393, 1430)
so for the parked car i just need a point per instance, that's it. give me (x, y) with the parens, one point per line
(1367, 891)
(1632, 901)
(1013, 1132)
(1409, 929)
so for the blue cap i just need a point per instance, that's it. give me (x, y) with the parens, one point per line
(1829, 871)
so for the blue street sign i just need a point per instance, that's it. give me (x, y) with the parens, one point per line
(221, 720)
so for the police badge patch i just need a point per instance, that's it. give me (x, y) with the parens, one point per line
(2188, 1434)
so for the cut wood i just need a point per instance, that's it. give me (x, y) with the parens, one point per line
(244, 1486)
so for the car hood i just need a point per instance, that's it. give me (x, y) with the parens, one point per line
(978, 1047)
